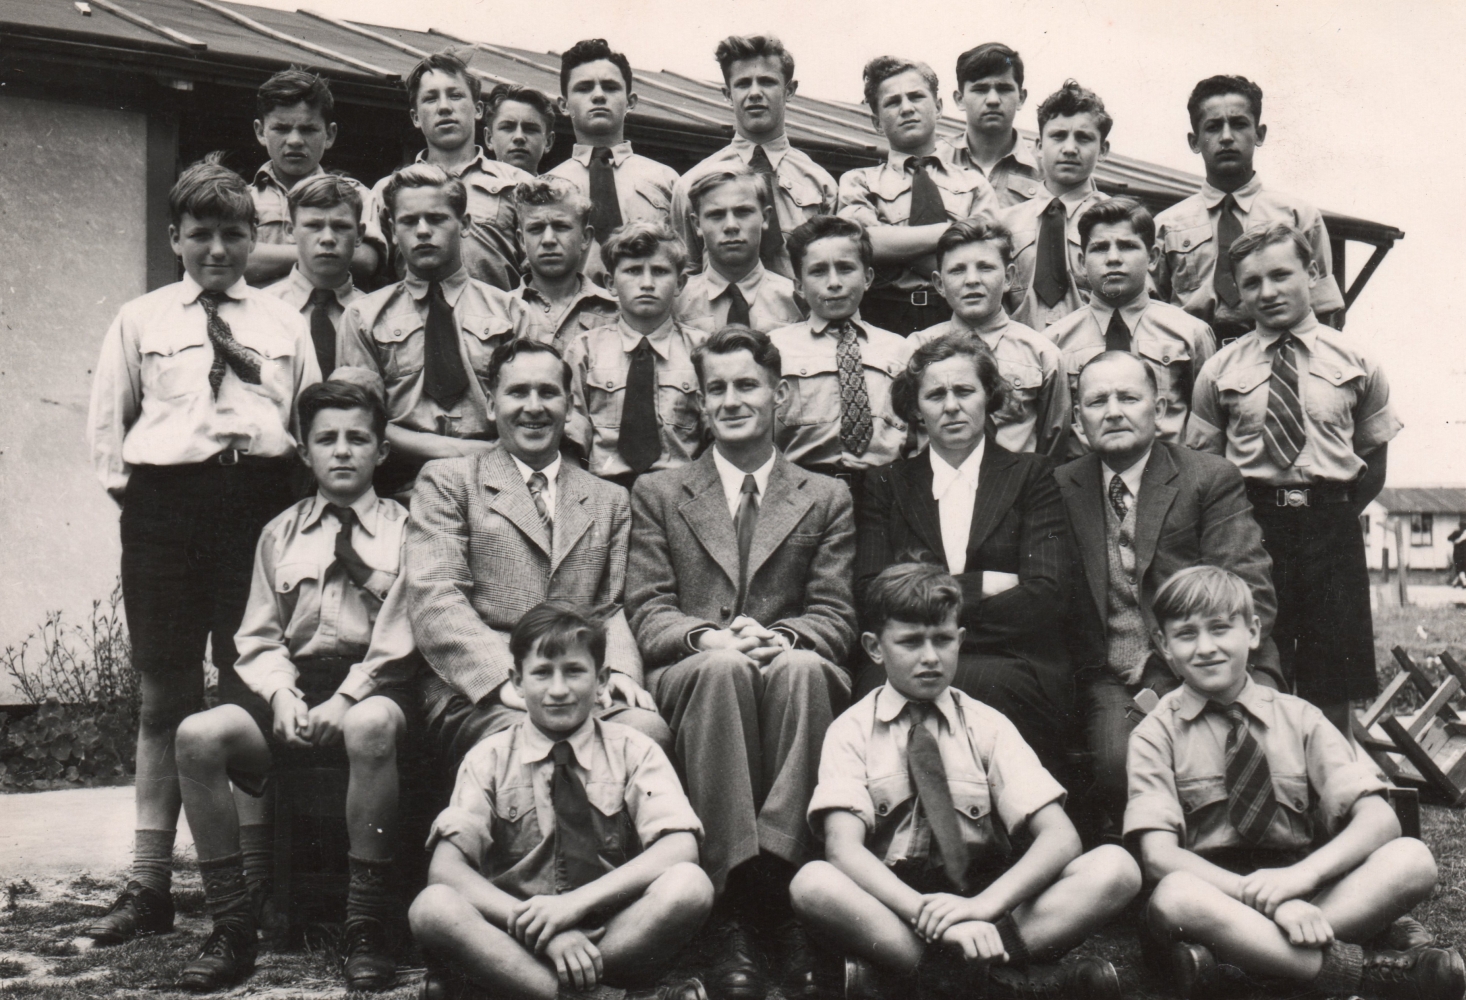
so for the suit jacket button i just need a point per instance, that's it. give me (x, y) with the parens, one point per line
(726, 612)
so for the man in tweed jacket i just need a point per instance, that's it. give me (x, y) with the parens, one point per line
(483, 548)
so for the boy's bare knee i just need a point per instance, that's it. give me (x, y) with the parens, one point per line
(1114, 867)
(687, 888)
(1411, 864)
(1173, 904)
(810, 889)
(201, 735)
(370, 730)
(429, 913)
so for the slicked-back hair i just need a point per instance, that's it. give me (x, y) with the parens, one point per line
(592, 50)
(1112, 211)
(511, 349)
(448, 62)
(421, 175)
(988, 59)
(906, 386)
(1107, 356)
(827, 227)
(912, 593)
(1265, 235)
(717, 178)
(978, 229)
(734, 338)
(1074, 99)
(537, 99)
(640, 239)
(340, 395)
(549, 189)
(737, 48)
(325, 191)
(1202, 590)
(1218, 86)
(882, 68)
(210, 190)
(295, 86)
(558, 628)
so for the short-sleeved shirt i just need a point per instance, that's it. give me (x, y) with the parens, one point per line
(600, 362)
(643, 190)
(272, 208)
(1187, 236)
(491, 250)
(1015, 178)
(384, 332)
(502, 817)
(302, 602)
(770, 297)
(991, 772)
(1178, 771)
(591, 307)
(152, 403)
(808, 428)
(295, 290)
(1024, 220)
(804, 189)
(881, 196)
(1036, 412)
(1346, 406)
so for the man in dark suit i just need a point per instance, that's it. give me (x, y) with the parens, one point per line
(738, 590)
(1141, 510)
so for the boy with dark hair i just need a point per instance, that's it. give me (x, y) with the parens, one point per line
(445, 102)
(635, 391)
(974, 271)
(567, 858)
(520, 125)
(837, 418)
(1194, 270)
(906, 203)
(1231, 784)
(921, 788)
(758, 80)
(732, 209)
(990, 93)
(623, 186)
(326, 644)
(294, 125)
(191, 432)
(1048, 279)
(554, 226)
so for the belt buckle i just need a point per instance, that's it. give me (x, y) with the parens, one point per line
(229, 456)
(919, 298)
(1293, 498)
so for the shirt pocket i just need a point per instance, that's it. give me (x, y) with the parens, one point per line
(291, 579)
(814, 390)
(1198, 793)
(651, 200)
(516, 825)
(490, 204)
(399, 347)
(1022, 383)
(1191, 253)
(677, 399)
(277, 370)
(1244, 393)
(483, 335)
(617, 836)
(1292, 794)
(1332, 405)
(605, 394)
(889, 794)
(805, 193)
(175, 366)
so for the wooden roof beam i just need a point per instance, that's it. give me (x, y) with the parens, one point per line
(147, 24)
(300, 43)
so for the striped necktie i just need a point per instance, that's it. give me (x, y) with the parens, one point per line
(539, 484)
(855, 421)
(1283, 431)
(1251, 803)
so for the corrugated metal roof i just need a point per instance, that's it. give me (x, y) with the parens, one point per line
(1424, 500)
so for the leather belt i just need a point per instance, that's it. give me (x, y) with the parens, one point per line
(1316, 495)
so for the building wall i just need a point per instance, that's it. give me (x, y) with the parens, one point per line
(1381, 536)
(72, 250)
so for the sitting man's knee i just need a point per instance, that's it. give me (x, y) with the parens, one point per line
(797, 667)
(370, 730)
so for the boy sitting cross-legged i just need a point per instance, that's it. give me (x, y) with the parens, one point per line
(923, 793)
(568, 855)
(1229, 783)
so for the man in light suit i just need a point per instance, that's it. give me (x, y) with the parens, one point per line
(491, 535)
(739, 592)
(1142, 509)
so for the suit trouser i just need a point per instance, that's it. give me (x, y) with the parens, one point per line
(748, 745)
(1110, 716)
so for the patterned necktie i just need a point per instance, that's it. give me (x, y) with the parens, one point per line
(855, 422)
(1118, 492)
(444, 379)
(744, 525)
(605, 212)
(577, 848)
(927, 207)
(323, 331)
(539, 485)
(772, 242)
(227, 350)
(1117, 334)
(1051, 269)
(1283, 433)
(929, 775)
(1228, 229)
(346, 555)
(737, 306)
(1251, 803)
(640, 442)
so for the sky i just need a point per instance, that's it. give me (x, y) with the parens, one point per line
(1353, 102)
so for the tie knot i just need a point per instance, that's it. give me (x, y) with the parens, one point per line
(345, 515)
(322, 296)
(538, 481)
(561, 753)
(750, 485)
(760, 160)
(210, 300)
(915, 163)
(1234, 713)
(602, 153)
(1229, 203)
(1055, 207)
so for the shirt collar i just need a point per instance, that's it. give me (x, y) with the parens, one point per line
(620, 153)
(585, 290)
(1131, 477)
(890, 703)
(480, 160)
(267, 177)
(991, 332)
(366, 507)
(453, 286)
(301, 289)
(1305, 330)
(660, 338)
(731, 474)
(819, 327)
(748, 284)
(1130, 312)
(775, 148)
(1022, 152)
(1244, 194)
(1071, 199)
(896, 160)
(943, 475)
(192, 289)
(551, 471)
(535, 745)
(1258, 701)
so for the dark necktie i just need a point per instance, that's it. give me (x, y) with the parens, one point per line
(323, 331)
(1283, 433)
(444, 379)
(538, 485)
(605, 210)
(346, 555)
(577, 848)
(772, 242)
(640, 442)
(855, 422)
(744, 524)
(1117, 334)
(1051, 269)
(927, 207)
(227, 350)
(737, 306)
(1118, 492)
(929, 775)
(1251, 803)
(1228, 229)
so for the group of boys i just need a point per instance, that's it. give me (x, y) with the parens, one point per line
(582, 655)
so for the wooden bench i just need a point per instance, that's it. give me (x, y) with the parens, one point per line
(1429, 752)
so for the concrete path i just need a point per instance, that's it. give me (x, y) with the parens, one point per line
(65, 833)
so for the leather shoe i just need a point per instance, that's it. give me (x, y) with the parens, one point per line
(1405, 934)
(1427, 974)
(739, 975)
(1079, 979)
(368, 964)
(227, 957)
(1193, 969)
(138, 912)
(690, 988)
(860, 979)
(797, 981)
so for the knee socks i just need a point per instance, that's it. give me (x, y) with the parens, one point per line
(370, 892)
(1342, 969)
(1018, 955)
(257, 844)
(226, 895)
(152, 859)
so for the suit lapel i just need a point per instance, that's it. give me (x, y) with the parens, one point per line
(914, 495)
(706, 512)
(571, 517)
(1084, 493)
(511, 498)
(997, 488)
(783, 507)
(1156, 496)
